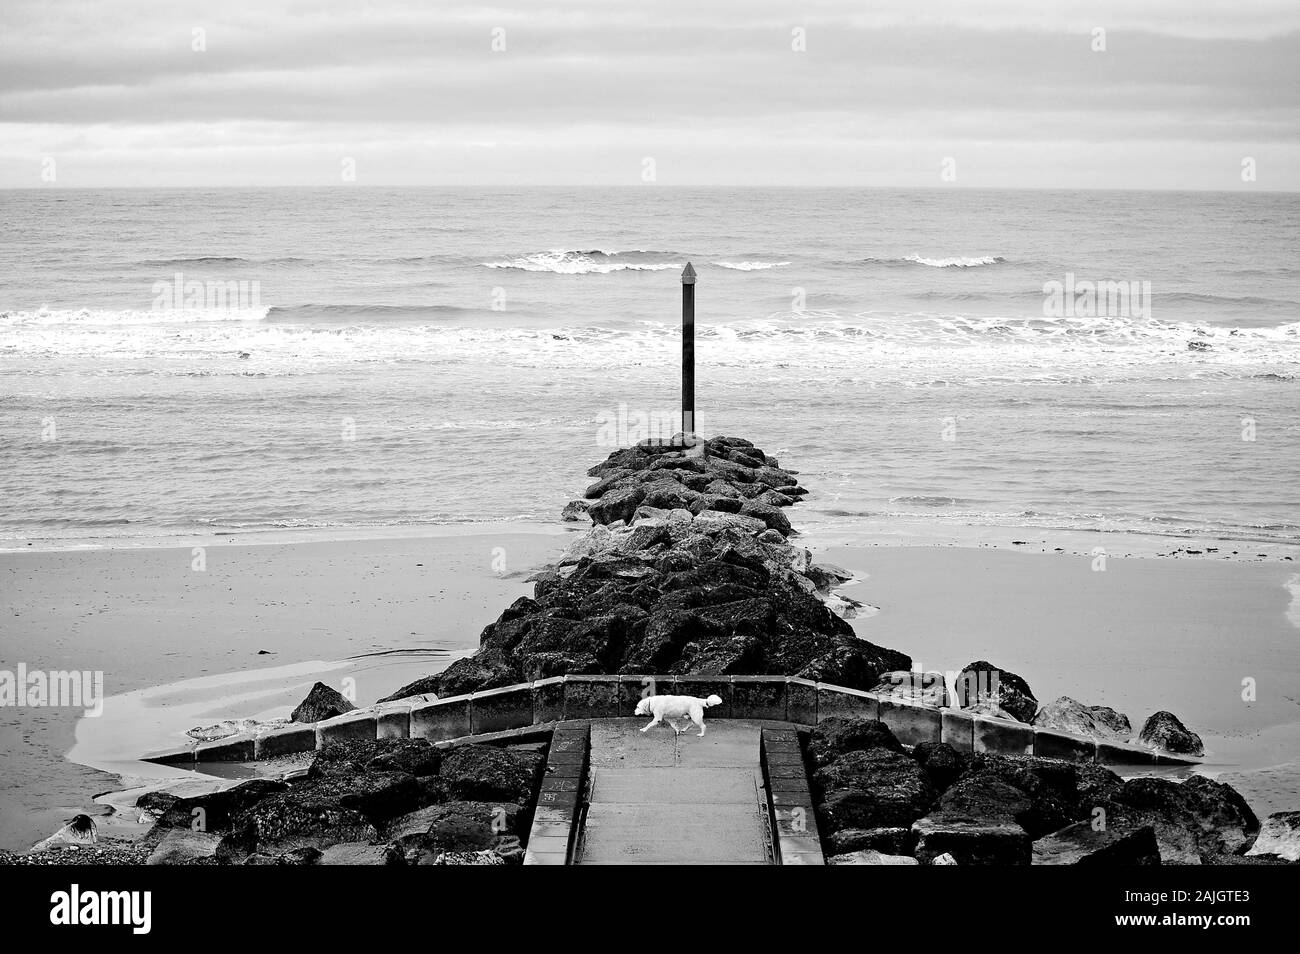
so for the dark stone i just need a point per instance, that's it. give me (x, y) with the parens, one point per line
(617, 505)
(213, 811)
(321, 703)
(839, 736)
(1195, 821)
(1164, 731)
(971, 841)
(485, 773)
(456, 826)
(984, 682)
(416, 757)
(877, 788)
(774, 517)
(1084, 844)
(942, 763)
(575, 510)
(889, 841)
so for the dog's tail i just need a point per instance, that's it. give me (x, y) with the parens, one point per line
(713, 701)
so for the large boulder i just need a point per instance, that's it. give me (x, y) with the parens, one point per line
(1098, 722)
(213, 811)
(942, 763)
(455, 826)
(838, 736)
(322, 702)
(870, 857)
(185, 846)
(1279, 837)
(617, 505)
(359, 853)
(1164, 732)
(1196, 822)
(1084, 843)
(946, 837)
(889, 841)
(290, 821)
(984, 682)
(876, 788)
(485, 773)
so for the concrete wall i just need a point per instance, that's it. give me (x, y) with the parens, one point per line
(559, 800)
(789, 799)
(775, 698)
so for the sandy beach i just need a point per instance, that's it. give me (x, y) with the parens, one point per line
(378, 611)
(247, 636)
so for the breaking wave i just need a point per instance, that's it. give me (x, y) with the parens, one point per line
(594, 261)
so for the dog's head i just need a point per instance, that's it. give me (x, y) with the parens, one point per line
(643, 707)
(713, 701)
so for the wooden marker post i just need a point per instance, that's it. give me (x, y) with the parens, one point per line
(688, 355)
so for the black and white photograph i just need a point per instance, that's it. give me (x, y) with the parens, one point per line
(567, 433)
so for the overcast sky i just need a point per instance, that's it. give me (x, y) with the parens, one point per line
(114, 93)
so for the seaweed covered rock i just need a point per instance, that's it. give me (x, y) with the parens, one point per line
(839, 736)
(875, 788)
(489, 774)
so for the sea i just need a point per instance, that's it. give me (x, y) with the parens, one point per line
(187, 362)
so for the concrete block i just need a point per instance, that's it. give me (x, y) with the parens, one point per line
(548, 699)
(567, 801)
(911, 724)
(840, 702)
(590, 697)
(1003, 737)
(237, 748)
(777, 737)
(495, 710)
(442, 719)
(701, 687)
(1051, 744)
(551, 816)
(349, 727)
(393, 720)
(292, 739)
(957, 729)
(801, 701)
(1113, 753)
(758, 697)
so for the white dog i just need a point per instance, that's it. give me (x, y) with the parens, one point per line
(671, 708)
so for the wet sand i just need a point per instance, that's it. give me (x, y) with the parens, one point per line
(1144, 634)
(143, 616)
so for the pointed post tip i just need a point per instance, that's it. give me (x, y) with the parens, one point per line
(688, 274)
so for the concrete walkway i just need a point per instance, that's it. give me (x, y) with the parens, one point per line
(660, 799)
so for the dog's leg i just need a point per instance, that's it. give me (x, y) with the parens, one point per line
(653, 722)
(698, 719)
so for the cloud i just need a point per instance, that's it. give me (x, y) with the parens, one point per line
(282, 89)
